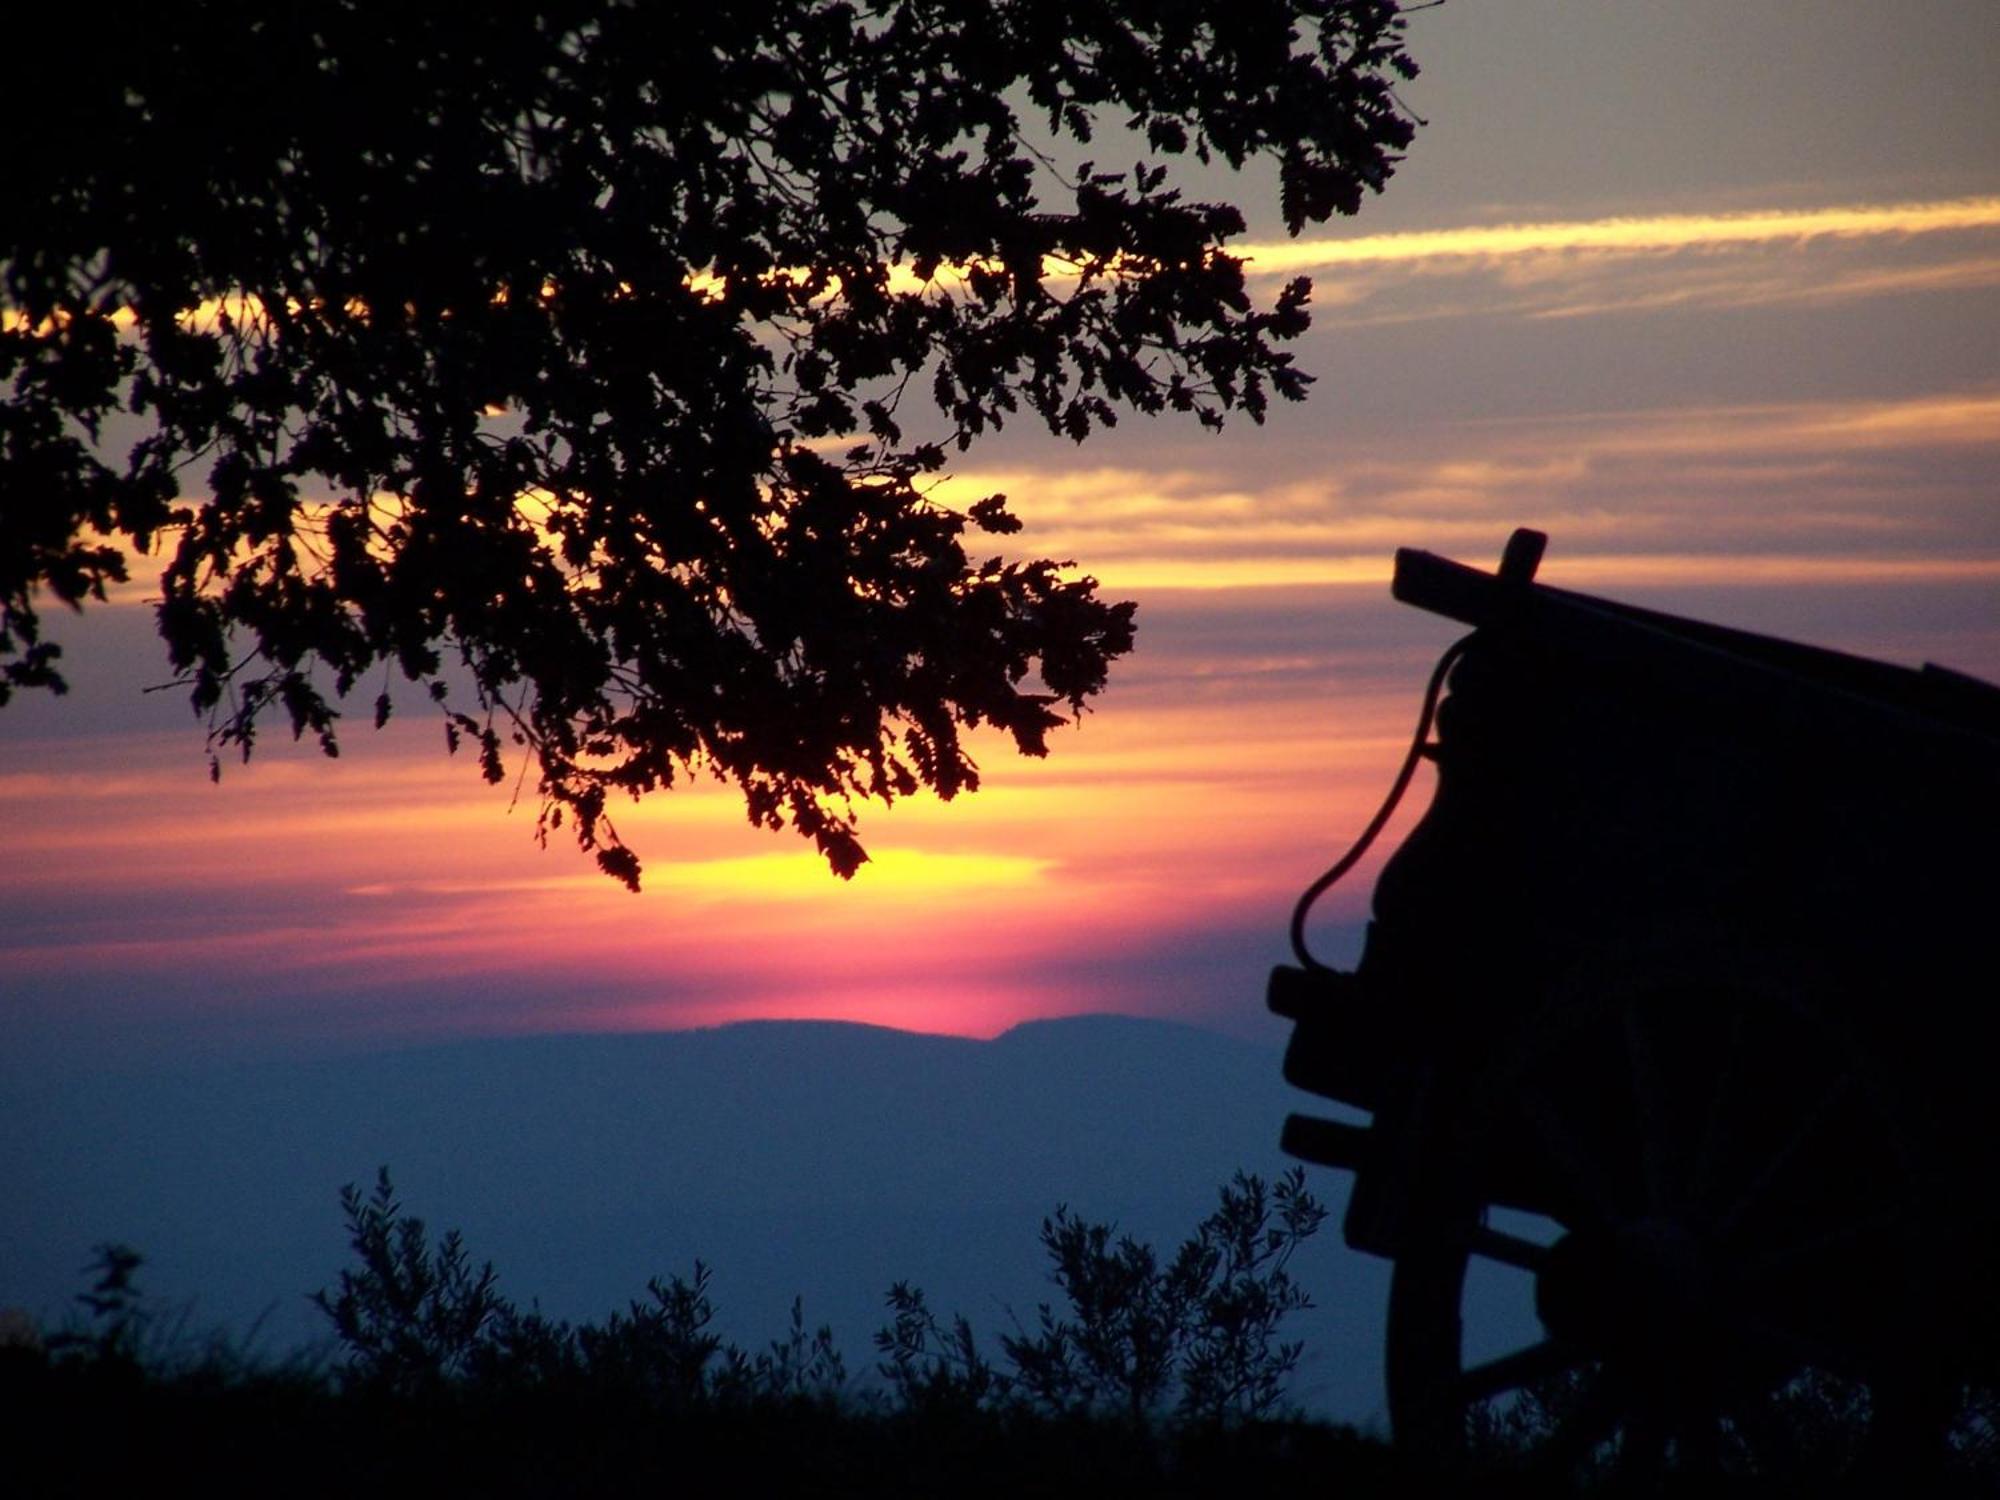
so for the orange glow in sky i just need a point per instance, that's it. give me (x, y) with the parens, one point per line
(1149, 863)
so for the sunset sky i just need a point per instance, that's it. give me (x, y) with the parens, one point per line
(1708, 292)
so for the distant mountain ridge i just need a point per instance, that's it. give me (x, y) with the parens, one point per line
(819, 1159)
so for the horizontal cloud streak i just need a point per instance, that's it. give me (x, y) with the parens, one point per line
(1824, 468)
(1851, 490)
(1623, 235)
(1657, 264)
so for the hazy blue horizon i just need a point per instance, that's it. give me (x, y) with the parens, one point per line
(824, 1160)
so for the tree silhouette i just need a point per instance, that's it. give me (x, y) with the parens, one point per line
(556, 359)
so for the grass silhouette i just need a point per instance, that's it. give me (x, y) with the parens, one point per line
(1160, 1374)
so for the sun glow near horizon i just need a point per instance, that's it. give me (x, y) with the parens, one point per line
(1149, 863)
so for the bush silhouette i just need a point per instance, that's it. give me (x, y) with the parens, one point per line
(1193, 1339)
(1163, 1375)
(117, 1316)
(931, 1368)
(411, 1317)
(1198, 1333)
(1206, 1320)
(414, 1319)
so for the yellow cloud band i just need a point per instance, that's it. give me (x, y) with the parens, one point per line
(1625, 235)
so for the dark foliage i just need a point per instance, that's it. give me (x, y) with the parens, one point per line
(652, 1398)
(1137, 1340)
(411, 1318)
(117, 1317)
(414, 1319)
(1204, 1323)
(553, 357)
(441, 1382)
(931, 1368)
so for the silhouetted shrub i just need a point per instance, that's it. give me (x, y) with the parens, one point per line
(800, 1367)
(1808, 1436)
(931, 1368)
(414, 1319)
(410, 1318)
(118, 1333)
(1164, 1377)
(1197, 1336)
(117, 1320)
(660, 1349)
